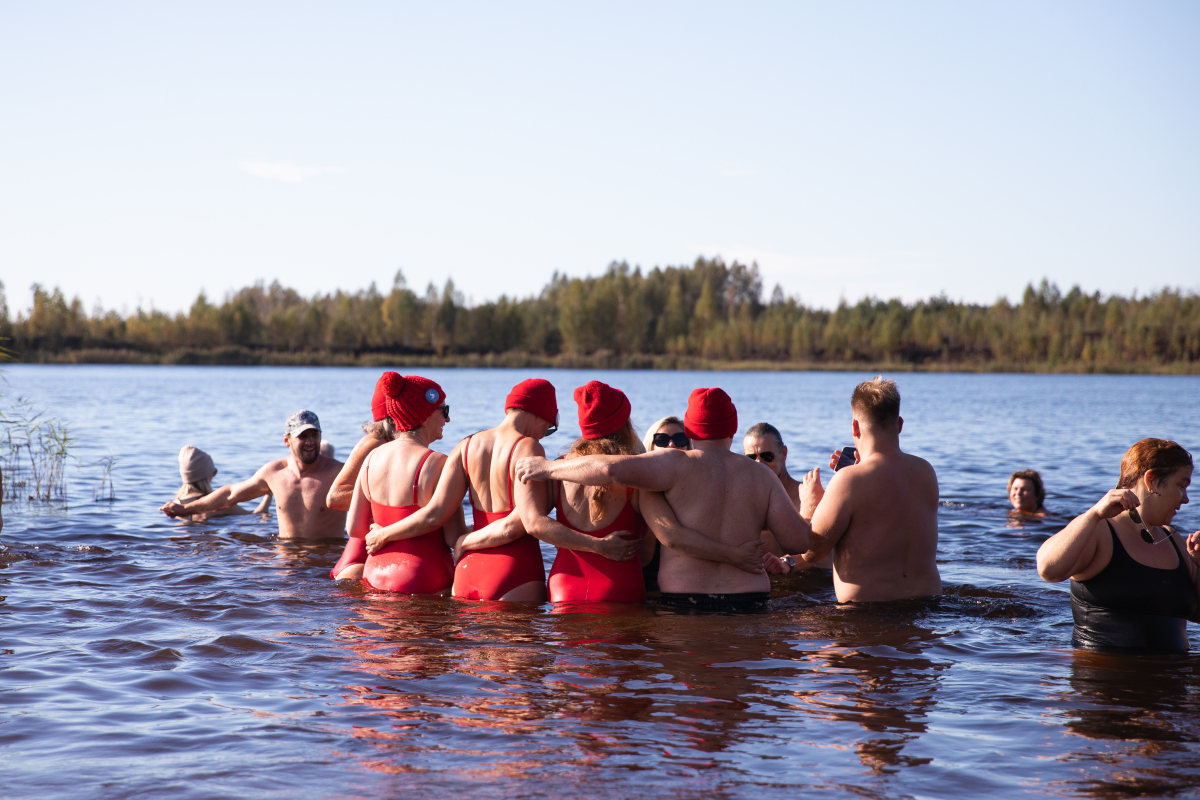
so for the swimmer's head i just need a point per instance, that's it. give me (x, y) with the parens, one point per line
(764, 442)
(411, 401)
(1159, 471)
(876, 402)
(196, 470)
(536, 396)
(666, 433)
(603, 410)
(710, 415)
(1026, 491)
(302, 435)
(326, 449)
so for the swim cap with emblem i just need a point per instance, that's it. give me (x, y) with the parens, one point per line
(410, 399)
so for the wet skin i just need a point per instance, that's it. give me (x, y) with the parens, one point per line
(299, 483)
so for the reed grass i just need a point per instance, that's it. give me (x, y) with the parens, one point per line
(34, 451)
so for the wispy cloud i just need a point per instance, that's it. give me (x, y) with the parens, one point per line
(289, 173)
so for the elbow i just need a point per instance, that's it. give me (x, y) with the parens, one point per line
(1049, 571)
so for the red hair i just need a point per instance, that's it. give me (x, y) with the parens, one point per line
(1162, 456)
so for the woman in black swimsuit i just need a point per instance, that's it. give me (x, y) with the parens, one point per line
(1130, 589)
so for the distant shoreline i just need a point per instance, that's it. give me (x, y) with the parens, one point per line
(240, 356)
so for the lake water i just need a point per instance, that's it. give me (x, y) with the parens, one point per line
(141, 657)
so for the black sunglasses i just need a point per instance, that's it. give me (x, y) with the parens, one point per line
(767, 457)
(680, 440)
(1147, 537)
(446, 412)
(553, 427)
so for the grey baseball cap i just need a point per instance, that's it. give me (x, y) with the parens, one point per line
(301, 421)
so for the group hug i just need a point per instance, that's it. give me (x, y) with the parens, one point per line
(680, 510)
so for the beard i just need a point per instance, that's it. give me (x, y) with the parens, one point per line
(307, 457)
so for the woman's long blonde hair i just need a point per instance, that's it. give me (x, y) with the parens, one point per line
(200, 487)
(621, 442)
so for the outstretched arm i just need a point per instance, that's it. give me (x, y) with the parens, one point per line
(655, 471)
(221, 498)
(533, 504)
(666, 528)
(446, 500)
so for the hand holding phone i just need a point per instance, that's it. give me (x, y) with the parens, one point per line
(848, 458)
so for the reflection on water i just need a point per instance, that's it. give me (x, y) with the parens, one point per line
(145, 658)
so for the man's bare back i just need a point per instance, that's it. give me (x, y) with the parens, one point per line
(728, 498)
(879, 517)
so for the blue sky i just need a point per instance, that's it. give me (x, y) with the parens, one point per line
(149, 150)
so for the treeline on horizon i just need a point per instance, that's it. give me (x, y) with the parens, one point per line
(704, 314)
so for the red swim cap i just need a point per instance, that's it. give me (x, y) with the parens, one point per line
(710, 415)
(602, 409)
(379, 399)
(535, 396)
(410, 399)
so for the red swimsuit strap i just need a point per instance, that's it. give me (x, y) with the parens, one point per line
(511, 503)
(417, 477)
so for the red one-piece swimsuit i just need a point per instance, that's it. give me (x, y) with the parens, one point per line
(579, 577)
(493, 572)
(418, 565)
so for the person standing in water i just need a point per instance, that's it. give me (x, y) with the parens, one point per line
(498, 560)
(396, 481)
(879, 516)
(664, 433)
(1130, 590)
(725, 497)
(196, 470)
(299, 483)
(379, 431)
(764, 443)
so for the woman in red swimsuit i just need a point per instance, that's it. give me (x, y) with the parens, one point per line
(397, 479)
(498, 560)
(599, 511)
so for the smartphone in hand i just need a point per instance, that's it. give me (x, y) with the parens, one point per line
(847, 459)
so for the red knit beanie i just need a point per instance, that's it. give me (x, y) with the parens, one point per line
(602, 409)
(710, 415)
(535, 396)
(410, 399)
(379, 399)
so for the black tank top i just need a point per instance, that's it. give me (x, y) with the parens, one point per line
(1129, 605)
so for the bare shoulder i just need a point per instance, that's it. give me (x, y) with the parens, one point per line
(528, 447)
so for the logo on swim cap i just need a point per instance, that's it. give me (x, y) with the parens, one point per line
(431, 396)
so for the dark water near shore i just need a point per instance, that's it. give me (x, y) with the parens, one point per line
(140, 657)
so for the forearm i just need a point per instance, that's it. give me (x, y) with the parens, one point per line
(555, 533)
(695, 544)
(213, 501)
(502, 531)
(818, 547)
(586, 471)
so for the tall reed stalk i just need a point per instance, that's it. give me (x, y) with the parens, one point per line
(34, 450)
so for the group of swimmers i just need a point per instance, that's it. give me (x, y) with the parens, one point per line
(679, 508)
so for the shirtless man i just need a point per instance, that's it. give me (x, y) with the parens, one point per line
(725, 496)
(299, 483)
(879, 516)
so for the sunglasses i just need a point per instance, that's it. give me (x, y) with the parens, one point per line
(446, 412)
(766, 457)
(553, 427)
(680, 440)
(1147, 537)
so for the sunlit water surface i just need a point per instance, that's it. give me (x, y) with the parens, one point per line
(141, 657)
